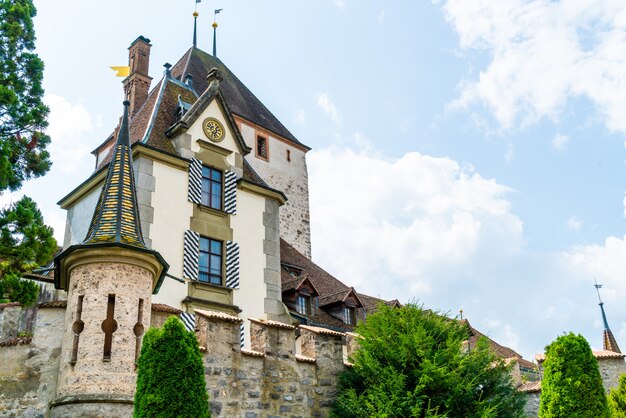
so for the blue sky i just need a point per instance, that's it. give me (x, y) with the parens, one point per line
(468, 155)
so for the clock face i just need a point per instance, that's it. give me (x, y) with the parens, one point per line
(213, 129)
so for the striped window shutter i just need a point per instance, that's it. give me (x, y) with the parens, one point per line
(191, 254)
(242, 338)
(195, 181)
(189, 320)
(230, 192)
(232, 264)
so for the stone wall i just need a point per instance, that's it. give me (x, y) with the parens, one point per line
(29, 365)
(289, 372)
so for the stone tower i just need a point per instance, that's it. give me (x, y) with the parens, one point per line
(109, 279)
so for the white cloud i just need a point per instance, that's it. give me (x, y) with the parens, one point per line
(604, 261)
(381, 17)
(574, 224)
(405, 225)
(559, 142)
(543, 53)
(340, 3)
(68, 127)
(324, 102)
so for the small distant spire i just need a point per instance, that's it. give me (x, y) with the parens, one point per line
(195, 28)
(116, 217)
(609, 342)
(214, 25)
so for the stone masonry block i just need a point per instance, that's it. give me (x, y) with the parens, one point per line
(270, 247)
(146, 181)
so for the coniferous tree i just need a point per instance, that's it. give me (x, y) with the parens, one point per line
(411, 363)
(617, 399)
(170, 374)
(571, 385)
(23, 114)
(25, 243)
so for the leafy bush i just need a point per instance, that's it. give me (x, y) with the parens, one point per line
(170, 375)
(571, 385)
(617, 399)
(411, 362)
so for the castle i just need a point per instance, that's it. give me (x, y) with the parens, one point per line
(199, 208)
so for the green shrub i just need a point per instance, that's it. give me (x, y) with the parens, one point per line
(617, 399)
(170, 375)
(411, 363)
(571, 385)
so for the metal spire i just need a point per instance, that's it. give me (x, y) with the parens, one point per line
(608, 339)
(116, 218)
(215, 31)
(195, 27)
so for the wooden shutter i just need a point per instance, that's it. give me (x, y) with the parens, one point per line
(195, 181)
(230, 192)
(189, 320)
(191, 254)
(232, 264)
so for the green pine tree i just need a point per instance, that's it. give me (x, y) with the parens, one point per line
(170, 375)
(23, 153)
(571, 385)
(617, 399)
(25, 243)
(411, 363)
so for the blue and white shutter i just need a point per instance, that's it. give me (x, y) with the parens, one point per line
(232, 264)
(230, 192)
(189, 321)
(195, 181)
(191, 255)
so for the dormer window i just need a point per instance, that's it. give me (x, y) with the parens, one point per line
(303, 305)
(261, 148)
(349, 315)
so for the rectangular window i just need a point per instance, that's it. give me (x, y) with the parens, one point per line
(303, 305)
(212, 187)
(349, 316)
(210, 261)
(261, 147)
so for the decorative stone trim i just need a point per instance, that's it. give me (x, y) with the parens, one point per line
(251, 353)
(161, 307)
(325, 331)
(16, 341)
(218, 315)
(305, 359)
(270, 323)
(53, 304)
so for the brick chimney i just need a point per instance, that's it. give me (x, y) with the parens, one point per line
(137, 84)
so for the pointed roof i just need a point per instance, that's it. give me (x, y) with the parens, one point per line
(116, 217)
(240, 99)
(609, 343)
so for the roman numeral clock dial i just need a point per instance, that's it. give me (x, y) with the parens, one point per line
(213, 129)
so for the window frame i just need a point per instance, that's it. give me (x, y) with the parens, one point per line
(305, 307)
(209, 195)
(349, 315)
(265, 138)
(210, 276)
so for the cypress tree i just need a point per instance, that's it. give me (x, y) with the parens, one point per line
(571, 385)
(170, 374)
